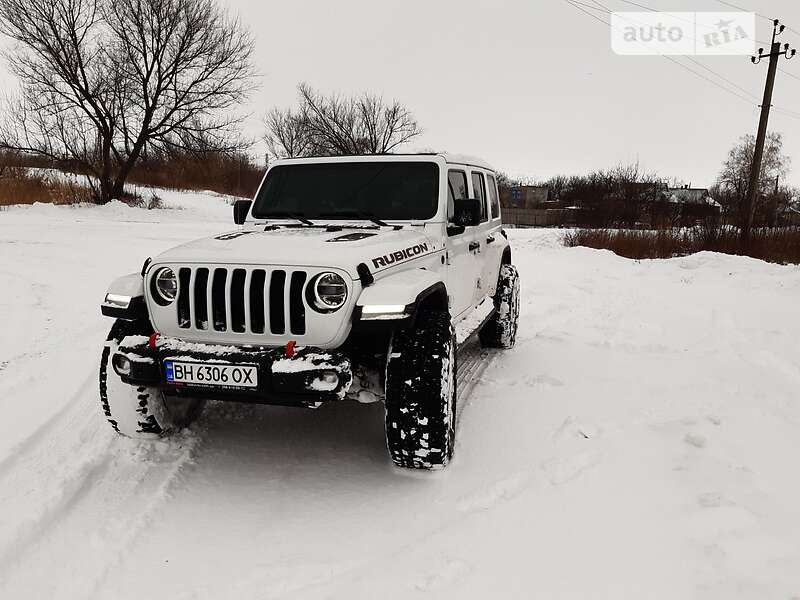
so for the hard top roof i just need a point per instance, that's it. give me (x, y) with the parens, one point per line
(455, 159)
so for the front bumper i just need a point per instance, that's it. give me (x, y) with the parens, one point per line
(282, 379)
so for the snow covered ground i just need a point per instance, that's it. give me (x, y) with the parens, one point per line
(639, 442)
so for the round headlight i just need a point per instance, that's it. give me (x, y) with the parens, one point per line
(330, 292)
(166, 285)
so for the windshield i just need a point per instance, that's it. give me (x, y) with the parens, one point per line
(390, 191)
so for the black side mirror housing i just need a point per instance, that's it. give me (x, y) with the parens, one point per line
(241, 208)
(467, 212)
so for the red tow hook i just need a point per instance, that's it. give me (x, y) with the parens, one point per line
(152, 341)
(290, 345)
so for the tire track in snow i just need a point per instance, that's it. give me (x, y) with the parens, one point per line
(76, 493)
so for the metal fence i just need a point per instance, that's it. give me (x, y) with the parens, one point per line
(535, 217)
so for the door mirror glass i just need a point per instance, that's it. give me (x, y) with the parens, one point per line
(467, 212)
(240, 210)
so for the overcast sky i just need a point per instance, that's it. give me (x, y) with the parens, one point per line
(531, 86)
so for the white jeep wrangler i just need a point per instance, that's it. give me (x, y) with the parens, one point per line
(346, 279)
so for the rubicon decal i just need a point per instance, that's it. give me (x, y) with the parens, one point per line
(399, 256)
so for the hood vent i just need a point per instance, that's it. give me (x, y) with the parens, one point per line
(352, 237)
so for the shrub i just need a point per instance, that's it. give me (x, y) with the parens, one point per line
(232, 175)
(20, 185)
(777, 245)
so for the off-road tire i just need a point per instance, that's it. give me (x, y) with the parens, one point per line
(421, 393)
(500, 331)
(139, 411)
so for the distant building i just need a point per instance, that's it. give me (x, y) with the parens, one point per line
(791, 217)
(524, 196)
(689, 195)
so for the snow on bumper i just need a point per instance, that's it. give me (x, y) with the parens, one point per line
(307, 377)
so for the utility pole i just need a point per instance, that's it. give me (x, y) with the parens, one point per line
(752, 190)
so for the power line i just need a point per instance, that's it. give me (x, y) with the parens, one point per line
(749, 100)
(789, 74)
(787, 113)
(748, 96)
(710, 70)
(589, 6)
(770, 19)
(711, 81)
(730, 4)
(583, 10)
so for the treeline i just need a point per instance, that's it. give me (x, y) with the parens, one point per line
(623, 196)
(30, 178)
(627, 196)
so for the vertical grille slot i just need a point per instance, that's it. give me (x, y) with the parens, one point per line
(218, 299)
(201, 298)
(257, 300)
(237, 300)
(277, 319)
(245, 300)
(297, 310)
(184, 291)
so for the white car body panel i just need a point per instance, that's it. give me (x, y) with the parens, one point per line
(404, 259)
(399, 288)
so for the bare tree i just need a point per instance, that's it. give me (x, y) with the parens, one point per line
(104, 79)
(338, 125)
(735, 175)
(287, 134)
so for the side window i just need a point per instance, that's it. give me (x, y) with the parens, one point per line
(456, 189)
(479, 185)
(494, 203)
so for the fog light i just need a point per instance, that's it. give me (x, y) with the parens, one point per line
(327, 381)
(122, 364)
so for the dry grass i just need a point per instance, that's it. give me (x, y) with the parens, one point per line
(19, 185)
(777, 245)
(234, 176)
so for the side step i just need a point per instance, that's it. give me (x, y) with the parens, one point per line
(472, 362)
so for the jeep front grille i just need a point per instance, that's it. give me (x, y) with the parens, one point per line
(242, 300)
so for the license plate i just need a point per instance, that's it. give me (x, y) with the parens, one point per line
(211, 374)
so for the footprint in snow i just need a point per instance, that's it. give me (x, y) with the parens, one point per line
(562, 470)
(443, 576)
(713, 500)
(500, 491)
(695, 439)
(543, 380)
(573, 428)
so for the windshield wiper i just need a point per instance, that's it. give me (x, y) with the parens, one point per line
(288, 215)
(358, 214)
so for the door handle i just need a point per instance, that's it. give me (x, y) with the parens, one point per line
(473, 246)
(490, 239)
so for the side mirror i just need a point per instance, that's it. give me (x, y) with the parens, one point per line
(467, 212)
(241, 208)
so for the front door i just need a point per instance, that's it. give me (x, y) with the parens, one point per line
(463, 268)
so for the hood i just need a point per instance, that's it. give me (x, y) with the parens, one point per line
(306, 247)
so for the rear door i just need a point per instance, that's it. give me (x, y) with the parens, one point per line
(463, 267)
(492, 237)
(482, 235)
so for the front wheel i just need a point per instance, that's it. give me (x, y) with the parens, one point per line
(421, 393)
(139, 411)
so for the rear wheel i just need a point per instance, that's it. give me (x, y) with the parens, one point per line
(500, 331)
(421, 393)
(139, 411)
